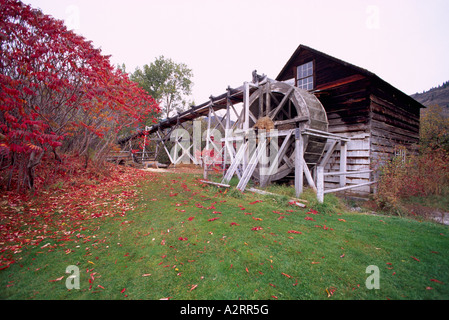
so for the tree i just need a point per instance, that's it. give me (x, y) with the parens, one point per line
(434, 129)
(57, 92)
(168, 82)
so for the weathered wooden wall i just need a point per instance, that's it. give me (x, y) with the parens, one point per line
(347, 104)
(376, 116)
(394, 122)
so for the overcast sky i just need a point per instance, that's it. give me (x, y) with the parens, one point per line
(405, 42)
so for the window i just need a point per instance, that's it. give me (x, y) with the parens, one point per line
(400, 153)
(305, 76)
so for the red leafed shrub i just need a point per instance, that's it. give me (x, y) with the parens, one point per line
(57, 94)
(417, 175)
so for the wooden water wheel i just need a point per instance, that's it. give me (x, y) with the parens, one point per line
(289, 107)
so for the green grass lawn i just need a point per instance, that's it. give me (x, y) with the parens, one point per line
(181, 239)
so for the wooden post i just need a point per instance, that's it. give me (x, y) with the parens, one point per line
(196, 138)
(343, 161)
(320, 184)
(299, 162)
(206, 159)
(268, 99)
(246, 119)
(246, 106)
(227, 130)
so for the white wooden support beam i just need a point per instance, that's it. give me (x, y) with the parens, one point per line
(299, 162)
(329, 153)
(197, 141)
(227, 131)
(309, 177)
(246, 118)
(165, 147)
(235, 163)
(246, 105)
(320, 184)
(280, 154)
(205, 161)
(258, 153)
(343, 161)
(184, 152)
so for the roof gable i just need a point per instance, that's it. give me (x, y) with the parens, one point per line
(303, 50)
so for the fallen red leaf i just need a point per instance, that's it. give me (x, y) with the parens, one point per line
(193, 287)
(123, 290)
(287, 275)
(57, 279)
(415, 258)
(437, 281)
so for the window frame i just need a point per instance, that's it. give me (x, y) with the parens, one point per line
(311, 76)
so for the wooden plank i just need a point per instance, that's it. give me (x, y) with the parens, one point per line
(294, 120)
(246, 105)
(299, 163)
(216, 183)
(267, 99)
(298, 202)
(235, 163)
(346, 173)
(320, 184)
(329, 153)
(261, 96)
(165, 147)
(343, 161)
(286, 98)
(350, 187)
(247, 173)
(327, 134)
(309, 177)
(280, 154)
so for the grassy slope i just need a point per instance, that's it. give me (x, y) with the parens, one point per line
(155, 251)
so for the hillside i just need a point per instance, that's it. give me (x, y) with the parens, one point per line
(438, 95)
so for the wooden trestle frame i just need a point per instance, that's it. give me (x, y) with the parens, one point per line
(243, 156)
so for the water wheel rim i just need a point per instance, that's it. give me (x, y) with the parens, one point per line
(299, 104)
